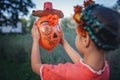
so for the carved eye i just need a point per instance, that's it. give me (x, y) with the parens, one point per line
(46, 30)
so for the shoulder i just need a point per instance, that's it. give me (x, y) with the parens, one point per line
(58, 72)
(88, 69)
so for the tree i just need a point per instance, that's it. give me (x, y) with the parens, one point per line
(116, 7)
(27, 24)
(24, 24)
(11, 10)
(118, 2)
(31, 22)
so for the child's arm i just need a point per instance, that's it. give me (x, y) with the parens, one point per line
(70, 51)
(35, 54)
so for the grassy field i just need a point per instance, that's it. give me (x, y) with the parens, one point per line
(15, 56)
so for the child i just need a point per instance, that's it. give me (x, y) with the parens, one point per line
(98, 31)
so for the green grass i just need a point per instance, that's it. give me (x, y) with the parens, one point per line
(16, 71)
(15, 56)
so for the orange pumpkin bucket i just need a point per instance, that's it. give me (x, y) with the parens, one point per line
(48, 26)
(50, 31)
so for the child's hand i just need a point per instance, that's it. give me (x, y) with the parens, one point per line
(62, 41)
(35, 34)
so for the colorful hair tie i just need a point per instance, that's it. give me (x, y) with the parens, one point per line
(81, 31)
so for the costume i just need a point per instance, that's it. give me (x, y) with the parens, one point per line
(48, 26)
(87, 22)
(77, 71)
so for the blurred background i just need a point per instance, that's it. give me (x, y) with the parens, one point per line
(16, 41)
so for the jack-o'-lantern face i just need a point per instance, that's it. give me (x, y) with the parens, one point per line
(50, 36)
(46, 29)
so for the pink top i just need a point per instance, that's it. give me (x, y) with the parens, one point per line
(77, 71)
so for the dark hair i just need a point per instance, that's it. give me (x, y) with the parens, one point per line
(103, 26)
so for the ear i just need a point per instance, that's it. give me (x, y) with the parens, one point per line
(86, 41)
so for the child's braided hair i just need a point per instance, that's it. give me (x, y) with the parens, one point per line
(101, 23)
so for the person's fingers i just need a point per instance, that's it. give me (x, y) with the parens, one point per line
(35, 29)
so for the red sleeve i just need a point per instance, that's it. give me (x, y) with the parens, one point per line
(54, 72)
(77, 71)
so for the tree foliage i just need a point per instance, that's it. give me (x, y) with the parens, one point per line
(27, 24)
(11, 10)
(116, 7)
(31, 21)
(118, 2)
(67, 23)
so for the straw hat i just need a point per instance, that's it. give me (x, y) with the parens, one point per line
(48, 9)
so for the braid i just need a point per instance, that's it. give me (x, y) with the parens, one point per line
(101, 23)
(95, 28)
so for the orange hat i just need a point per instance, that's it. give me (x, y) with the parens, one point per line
(48, 9)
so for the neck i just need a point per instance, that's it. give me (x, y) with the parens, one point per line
(95, 59)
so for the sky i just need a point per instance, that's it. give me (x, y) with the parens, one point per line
(66, 6)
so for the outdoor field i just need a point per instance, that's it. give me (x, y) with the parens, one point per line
(15, 50)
